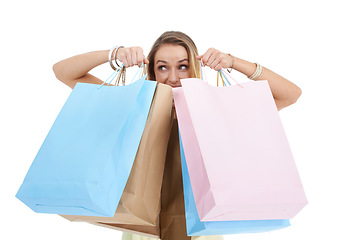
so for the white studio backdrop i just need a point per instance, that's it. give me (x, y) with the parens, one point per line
(312, 43)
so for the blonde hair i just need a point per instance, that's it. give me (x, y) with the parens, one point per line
(175, 38)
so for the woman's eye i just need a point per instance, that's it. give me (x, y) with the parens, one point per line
(161, 67)
(183, 67)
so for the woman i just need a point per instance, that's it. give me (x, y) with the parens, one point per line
(165, 65)
(173, 57)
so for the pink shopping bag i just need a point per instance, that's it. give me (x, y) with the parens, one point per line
(238, 157)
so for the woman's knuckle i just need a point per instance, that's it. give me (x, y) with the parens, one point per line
(120, 56)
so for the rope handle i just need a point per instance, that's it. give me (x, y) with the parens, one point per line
(120, 75)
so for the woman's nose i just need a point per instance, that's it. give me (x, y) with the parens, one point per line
(173, 77)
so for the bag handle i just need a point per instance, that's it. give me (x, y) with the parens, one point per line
(226, 75)
(202, 74)
(139, 69)
(120, 75)
(220, 74)
(112, 76)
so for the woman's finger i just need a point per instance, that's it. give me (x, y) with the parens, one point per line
(214, 60)
(206, 56)
(140, 57)
(121, 55)
(218, 67)
(133, 57)
(128, 58)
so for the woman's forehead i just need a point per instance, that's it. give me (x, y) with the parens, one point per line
(171, 53)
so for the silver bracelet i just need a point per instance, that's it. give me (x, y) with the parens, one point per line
(258, 73)
(115, 57)
(110, 57)
(110, 54)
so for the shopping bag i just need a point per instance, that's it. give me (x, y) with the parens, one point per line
(172, 216)
(243, 168)
(139, 206)
(146, 231)
(195, 227)
(84, 163)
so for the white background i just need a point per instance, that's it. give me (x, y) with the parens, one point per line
(312, 43)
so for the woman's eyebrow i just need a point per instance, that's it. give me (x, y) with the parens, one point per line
(163, 61)
(180, 61)
(183, 60)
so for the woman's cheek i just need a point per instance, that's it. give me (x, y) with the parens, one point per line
(185, 74)
(160, 78)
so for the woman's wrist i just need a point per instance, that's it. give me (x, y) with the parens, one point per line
(231, 67)
(243, 66)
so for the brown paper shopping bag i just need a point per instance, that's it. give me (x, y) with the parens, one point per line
(140, 203)
(147, 231)
(172, 217)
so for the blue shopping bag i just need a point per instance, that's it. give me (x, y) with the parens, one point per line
(197, 228)
(84, 163)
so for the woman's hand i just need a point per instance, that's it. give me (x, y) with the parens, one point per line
(131, 56)
(216, 59)
(76, 69)
(284, 92)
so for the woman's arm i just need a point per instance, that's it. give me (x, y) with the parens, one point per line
(75, 69)
(284, 92)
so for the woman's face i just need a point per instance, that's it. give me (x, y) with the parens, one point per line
(171, 65)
